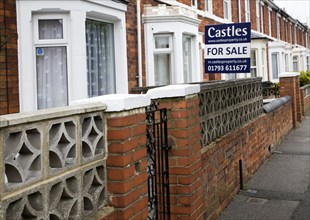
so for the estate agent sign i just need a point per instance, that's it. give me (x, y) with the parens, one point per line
(228, 48)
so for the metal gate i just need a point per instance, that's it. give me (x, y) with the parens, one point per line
(157, 167)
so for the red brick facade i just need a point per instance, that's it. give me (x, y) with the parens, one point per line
(9, 91)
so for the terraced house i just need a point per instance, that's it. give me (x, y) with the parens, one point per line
(56, 52)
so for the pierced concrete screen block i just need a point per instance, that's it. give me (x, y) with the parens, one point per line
(94, 189)
(92, 137)
(28, 207)
(62, 145)
(63, 199)
(227, 105)
(22, 157)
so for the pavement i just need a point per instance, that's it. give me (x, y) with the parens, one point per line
(280, 189)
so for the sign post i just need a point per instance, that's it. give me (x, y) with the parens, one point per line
(228, 48)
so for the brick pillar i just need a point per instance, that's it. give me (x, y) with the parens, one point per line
(289, 85)
(9, 91)
(127, 164)
(185, 170)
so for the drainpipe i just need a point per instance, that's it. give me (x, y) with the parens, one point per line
(139, 44)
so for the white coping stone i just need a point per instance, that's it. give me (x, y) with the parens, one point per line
(289, 74)
(118, 102)
(174, 91)
(48, 114)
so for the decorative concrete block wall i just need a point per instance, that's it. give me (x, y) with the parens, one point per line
(54, 163)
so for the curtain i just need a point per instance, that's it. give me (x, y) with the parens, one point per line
(162, 61)
(100, 58)
(50, 29)
(51, 77)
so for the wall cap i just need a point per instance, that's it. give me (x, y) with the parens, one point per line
(117, 102)
(47, 114)
(289, 74)
(173, 91)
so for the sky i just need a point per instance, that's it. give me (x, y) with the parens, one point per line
(298, 9)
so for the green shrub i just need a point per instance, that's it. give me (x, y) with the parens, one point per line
(304, 78)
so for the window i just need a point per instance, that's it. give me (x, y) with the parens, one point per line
(308, 62)
(295, 63)
(187, 58)
(262, 18)
(208, 6)
(227, 9)
(286, 32)
(286, 62)
(275, 65)
(263, 62)
(100, 58)
(295, 35)
(258, 15)
(247, 10)
(253, 63)
(269, 22)
(51, 61)
(194, 3)
(278, 27)
(291, 34)
(163, 59)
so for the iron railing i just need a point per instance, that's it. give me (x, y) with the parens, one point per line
(158, 167)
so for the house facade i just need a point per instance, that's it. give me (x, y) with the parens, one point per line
(74, 50)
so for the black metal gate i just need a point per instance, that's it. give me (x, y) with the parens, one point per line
(157, 156)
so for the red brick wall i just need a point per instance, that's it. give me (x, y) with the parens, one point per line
(9, 91)
(126, 165)
(305, 102)
(251, 144)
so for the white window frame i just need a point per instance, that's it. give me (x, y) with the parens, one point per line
(247, 10)
(263, 63)
(192, 69)
(295, 60)
(269, 21)
(228, 16)
(277, 65)
(209, 6)
(50, 43)
(168, 50)
(256, 62)
(258, 16)
(194, 3)
(286, 62)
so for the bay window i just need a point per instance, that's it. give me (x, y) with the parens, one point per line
(187, 58)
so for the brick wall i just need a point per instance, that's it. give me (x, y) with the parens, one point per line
(127, 164)
(252, 145)
(305, 102)
(9, 91)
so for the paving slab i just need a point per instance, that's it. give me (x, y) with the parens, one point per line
(248, 208)
(287, 173)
